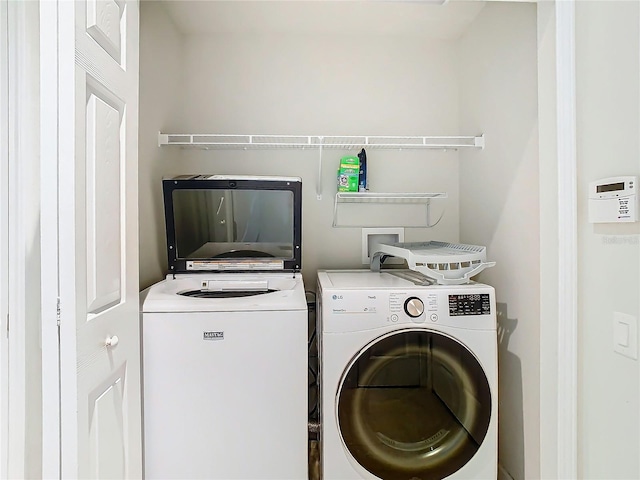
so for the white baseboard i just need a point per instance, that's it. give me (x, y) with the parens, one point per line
(503, 474)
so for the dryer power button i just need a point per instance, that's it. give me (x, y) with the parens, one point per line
(414, 307)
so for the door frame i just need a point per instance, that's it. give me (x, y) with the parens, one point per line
(567, 321)
(4, 235)
(19, 153)
(49, 171)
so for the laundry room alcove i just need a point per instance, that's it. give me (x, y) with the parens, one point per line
(384, 69)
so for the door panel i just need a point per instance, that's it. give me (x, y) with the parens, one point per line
(104, 24)
(106, 431)
(104, 252)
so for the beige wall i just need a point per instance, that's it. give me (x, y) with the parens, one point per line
(608, 127)
(161, 89)
(499, 208)
(286, 83)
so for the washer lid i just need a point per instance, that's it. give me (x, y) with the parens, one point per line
(208, 292)
(218, 223)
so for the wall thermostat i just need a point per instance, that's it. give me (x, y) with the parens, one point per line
(613, 200)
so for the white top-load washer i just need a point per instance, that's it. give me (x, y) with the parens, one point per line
(409, 376)
(225, 334)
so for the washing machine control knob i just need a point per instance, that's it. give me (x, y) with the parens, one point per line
(414, 307)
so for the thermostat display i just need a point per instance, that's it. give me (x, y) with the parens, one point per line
(611, 187)
(613, 200)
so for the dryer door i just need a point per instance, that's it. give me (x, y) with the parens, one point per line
(414, 403)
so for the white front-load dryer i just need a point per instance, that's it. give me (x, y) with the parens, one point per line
(408, 378)
(225, 377)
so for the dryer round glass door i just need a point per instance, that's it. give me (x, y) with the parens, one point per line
(413, 403)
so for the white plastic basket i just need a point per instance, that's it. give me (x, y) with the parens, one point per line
(446, 263)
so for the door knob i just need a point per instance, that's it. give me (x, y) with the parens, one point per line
(111, 341)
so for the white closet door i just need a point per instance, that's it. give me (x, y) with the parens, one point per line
(98, 239)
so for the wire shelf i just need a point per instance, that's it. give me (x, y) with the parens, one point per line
(217, 141)
(388, 199)
(232, 141)
(374, 197)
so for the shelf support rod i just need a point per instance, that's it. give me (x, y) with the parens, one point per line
(319, 179)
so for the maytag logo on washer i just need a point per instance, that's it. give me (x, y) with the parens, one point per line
(213, 336)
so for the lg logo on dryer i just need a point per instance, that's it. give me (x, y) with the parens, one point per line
(337, 297)
(213, 335)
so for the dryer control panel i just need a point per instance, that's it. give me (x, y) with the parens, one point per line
(463, 306)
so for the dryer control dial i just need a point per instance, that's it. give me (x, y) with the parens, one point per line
(414, 307)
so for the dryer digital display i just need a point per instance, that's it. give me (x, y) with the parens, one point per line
(474, 304)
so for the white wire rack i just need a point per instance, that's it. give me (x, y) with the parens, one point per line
(386, 198)
(375, 197)
(215, 141)
(223, 141)
(446, 263)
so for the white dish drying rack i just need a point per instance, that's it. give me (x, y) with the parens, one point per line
(445, 263)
